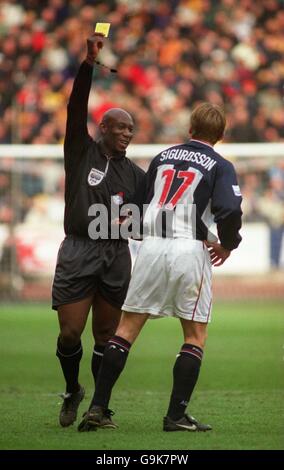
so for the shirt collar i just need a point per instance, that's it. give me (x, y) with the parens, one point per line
(116, 156)
(201, 142)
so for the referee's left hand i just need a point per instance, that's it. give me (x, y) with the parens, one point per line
(218, 253)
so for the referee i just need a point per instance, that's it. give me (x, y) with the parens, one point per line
(91, 273)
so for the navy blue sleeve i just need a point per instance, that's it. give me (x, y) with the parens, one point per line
(226, 206)
(145, 193)
(138, 197)
(150, 180)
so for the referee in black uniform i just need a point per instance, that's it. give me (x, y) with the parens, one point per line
(91, 273)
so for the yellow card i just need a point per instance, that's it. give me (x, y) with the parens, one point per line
(102, 28)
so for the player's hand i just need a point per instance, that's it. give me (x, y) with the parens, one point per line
(94, 44)
(218, 253)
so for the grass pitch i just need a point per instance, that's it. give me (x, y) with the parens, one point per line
(240, 390)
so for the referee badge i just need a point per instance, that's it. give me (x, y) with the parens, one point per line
(95, 177)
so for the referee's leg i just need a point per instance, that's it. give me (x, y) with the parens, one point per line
(72, 320)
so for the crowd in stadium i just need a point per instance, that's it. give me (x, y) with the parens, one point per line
(169, 55)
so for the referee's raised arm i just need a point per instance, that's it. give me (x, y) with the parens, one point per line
(76, 136)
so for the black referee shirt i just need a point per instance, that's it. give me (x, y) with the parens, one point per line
(91, 176)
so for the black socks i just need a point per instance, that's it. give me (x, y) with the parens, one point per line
(70, 360)
(185, 375)
(98, 354)
(114, 360)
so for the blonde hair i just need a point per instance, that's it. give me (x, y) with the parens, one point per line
(207, 122)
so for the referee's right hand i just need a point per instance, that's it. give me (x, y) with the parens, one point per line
(94, 44)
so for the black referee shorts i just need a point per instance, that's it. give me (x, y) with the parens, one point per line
(85, 266)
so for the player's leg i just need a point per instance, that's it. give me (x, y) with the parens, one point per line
(185, 375)
(116, 354)
(114, 360)
(113, 283)
(72, 320)
(104, 324)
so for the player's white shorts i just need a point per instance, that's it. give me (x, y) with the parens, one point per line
(171, 277)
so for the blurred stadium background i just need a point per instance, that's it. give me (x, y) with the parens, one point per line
(170, 56)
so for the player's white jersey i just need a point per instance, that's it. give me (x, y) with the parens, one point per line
(189, 186)
(177, 214)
